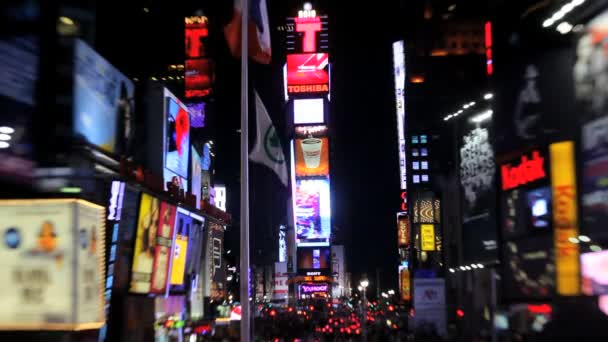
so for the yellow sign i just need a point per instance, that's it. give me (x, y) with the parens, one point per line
(179, 259)
(565, 217)
(427, 237)
(404, 281)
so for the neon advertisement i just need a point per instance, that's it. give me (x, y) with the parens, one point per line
(196, 33)
(183, 225)
(313, 288)
(312, 212)
(177, 135)
(197, 114)
(529, 170)
(308, 32)
(198, 77)
(308, 73)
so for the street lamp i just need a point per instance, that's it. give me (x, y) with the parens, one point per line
(363, 286)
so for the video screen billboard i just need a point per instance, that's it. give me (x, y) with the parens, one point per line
(152, 246)
(314, 259)
(103, 101)
(308, 111)
(183, 223)
(177, 135)
(198, 77)
(312, 212)
(399, 75)
(308, 73)
(197, 177)
(594, 273)
(308, 32)
(312, 151)
(197, 114)
(215, 268)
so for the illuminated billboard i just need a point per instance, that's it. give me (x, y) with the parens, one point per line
(196, 177)
(152, 246)
(308, 32)
(215, 272)
(308, 111)
(427, 237)
(312, 151)
(404, 283)
(196, 35)
(308, 73)
(52, 264)
(312, 212)
(399, 73)
(314, 259)
(594, 273)
(403, 230)
(198, 73)
(183, 225)
(103, 101)
(177, 135)
(197, 114)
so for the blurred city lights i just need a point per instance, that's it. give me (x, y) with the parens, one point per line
(4, 144)
(7, 130)
(5, 137)
(573, 239)
(488, 96)
(584, 238)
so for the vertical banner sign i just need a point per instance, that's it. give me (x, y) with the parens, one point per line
(403, 230)
(565, 217)
(399, 72)
(427, 237)
(404, 283)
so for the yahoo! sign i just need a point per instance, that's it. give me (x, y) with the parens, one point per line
(529, 170)
(314, 288)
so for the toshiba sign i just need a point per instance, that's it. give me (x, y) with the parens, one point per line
(529, 169)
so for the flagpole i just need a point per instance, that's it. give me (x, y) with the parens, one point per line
(244, 279)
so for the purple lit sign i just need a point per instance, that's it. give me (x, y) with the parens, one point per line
(314, 288)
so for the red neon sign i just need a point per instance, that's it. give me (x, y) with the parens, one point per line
(198, 77)
(488, 40)
(403, 200)
(529, 170)
(540, 309)
(308, 73)
(196, 30)
(310, 27)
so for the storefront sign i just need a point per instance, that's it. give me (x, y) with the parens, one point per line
(529, 170)
(427, 237)
(565, 217)
(314, 288)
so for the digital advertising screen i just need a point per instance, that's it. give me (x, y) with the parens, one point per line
(196, 177)
(183, 224)
(215, 269)
(314, 259)
(308, 73)
(309, 31)
(176, 180)
(127, 228)
(103, 101)
(594, 273)
(594, 203)
(195, 244)
(198, 77)
(308, 111)
(539, 207)
(197, 114)
(162, 250)
(399, 76)
(312, 212)
(145, 244)
(177, 135)
(312, 151)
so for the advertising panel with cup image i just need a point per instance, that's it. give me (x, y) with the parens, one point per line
(312, 151)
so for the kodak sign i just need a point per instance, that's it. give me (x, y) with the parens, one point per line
(565, 217)
(527, 171)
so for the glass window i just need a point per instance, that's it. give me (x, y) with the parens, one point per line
(415, 152)
(424, 152)
(416, 179)
(416, 165)
(425, 178)
(424, 165)
(423, 139)
(414, 139)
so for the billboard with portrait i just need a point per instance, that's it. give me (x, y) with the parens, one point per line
(312, 151)
(103, 101)
(162, 250)
(52, 263)
(177, 135)
(145, 244)
(312, 212)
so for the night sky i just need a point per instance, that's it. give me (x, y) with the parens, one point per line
(364, 164)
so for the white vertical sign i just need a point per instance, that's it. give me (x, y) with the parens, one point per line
(399, 72)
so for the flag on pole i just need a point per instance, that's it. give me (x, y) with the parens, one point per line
(268, 150)
(258, 31)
